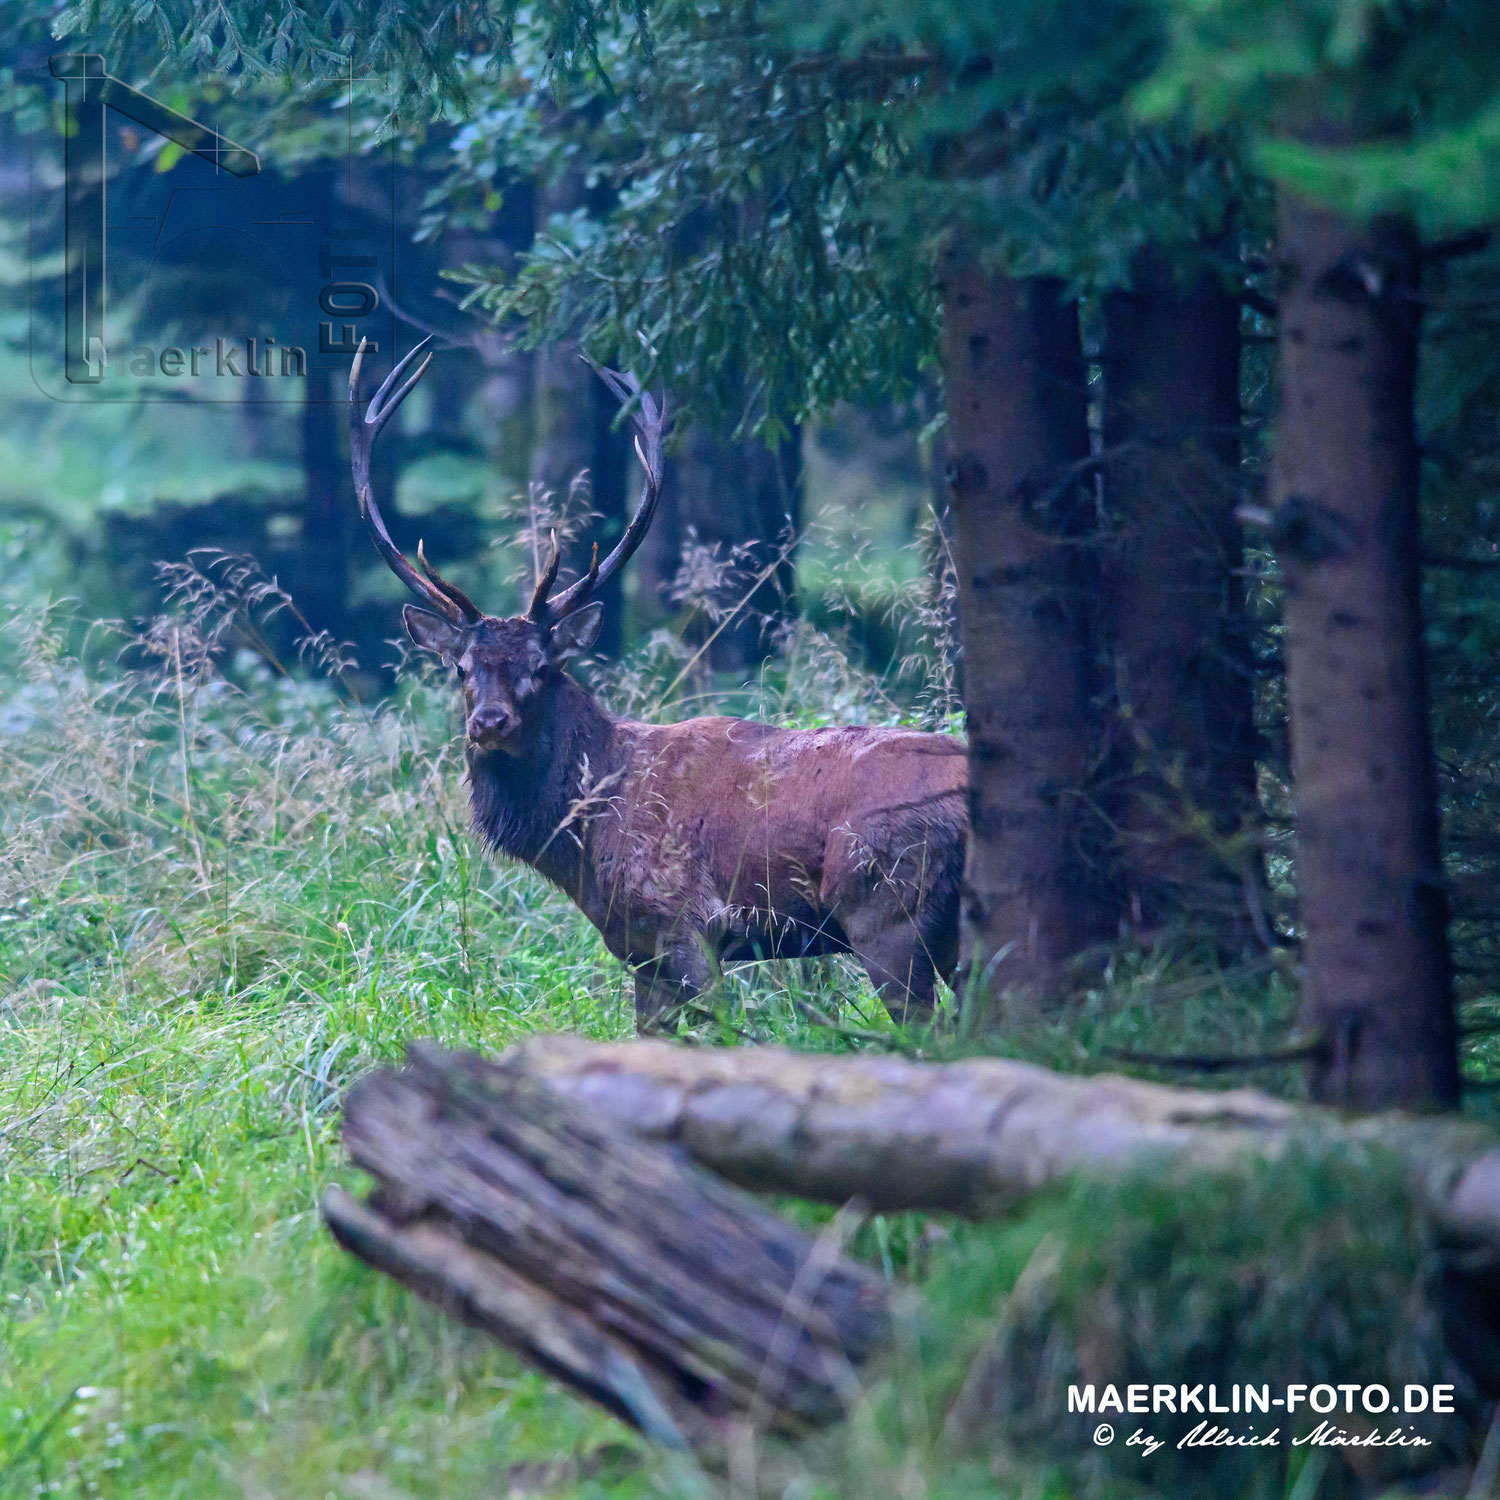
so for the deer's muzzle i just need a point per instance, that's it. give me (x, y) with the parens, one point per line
(490, 728)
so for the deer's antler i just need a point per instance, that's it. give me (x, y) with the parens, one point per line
(424, 581)
(647, 418)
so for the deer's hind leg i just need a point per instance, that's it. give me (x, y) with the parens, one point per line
(902, 924)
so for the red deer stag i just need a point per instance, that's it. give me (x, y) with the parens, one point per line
(682, 843)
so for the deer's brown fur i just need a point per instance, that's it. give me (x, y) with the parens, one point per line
(716, 838)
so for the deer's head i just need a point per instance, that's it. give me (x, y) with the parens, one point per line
(505, 665)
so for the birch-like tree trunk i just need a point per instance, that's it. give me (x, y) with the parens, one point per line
(974, 1137)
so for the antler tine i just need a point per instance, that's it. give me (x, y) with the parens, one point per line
(471, 610)
(538, 608)
(383, 404)
(364, 428)
(648, 419)
(622, 383)
(628, 390)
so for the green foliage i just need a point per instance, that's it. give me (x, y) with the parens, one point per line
(769, 185)
(1445, 180)
(417, 49)
(1367, 105)
(741, 244)
(783, 183)
(772, 183)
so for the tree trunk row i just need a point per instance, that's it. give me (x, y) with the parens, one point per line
(1112, 741)
(1107, 683)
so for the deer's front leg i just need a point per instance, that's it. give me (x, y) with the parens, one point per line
(670, 980)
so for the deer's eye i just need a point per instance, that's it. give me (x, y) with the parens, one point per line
(458, 667)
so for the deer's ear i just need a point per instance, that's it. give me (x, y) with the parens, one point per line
(574, 635)
(431, 632)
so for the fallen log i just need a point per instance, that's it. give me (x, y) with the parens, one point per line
(971, 1137)
(655, 1289)
(557, 1197)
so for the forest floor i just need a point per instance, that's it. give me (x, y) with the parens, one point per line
(220, 905)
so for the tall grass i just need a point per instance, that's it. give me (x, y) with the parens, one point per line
(218, 904)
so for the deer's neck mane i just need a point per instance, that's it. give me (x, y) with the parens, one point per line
(520, 801)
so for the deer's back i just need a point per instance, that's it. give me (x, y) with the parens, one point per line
(727, 813)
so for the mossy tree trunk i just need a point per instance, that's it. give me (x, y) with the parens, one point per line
(556, 1198)
(975, 1137)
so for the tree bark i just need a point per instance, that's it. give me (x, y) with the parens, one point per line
(1182, 785)
(1017, 427)
(1344, 490)
(674, 1301)
(656, 561)
(973, 1137)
